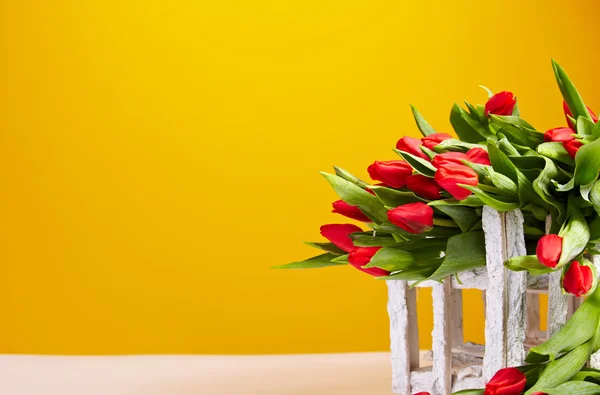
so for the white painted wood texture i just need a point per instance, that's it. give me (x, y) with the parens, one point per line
(508, 328)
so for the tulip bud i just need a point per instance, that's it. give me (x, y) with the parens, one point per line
(507, 381)
(448, 176)
(568, 114)
(572, 146)
(412, 146)
(392, 173)
(448, 157)
(502, 103)
(548, 250)
(412, 217)
(339, 235)
(559, 135)
(422, 393)
(578, 279)
(424, 186)
(478, 155)
(353, 212)
(434, 139)
(360, 256)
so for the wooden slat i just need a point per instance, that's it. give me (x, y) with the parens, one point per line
(495, 334)
(516, 290)
(442, 351)
(399, 339)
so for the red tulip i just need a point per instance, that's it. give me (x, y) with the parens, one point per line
(434, 139)
(572, 146)
(559, 135)
(424, 186)
(422, 393)
(568, 114)
(501, 103)
(412, 146)
(548, 250)
(339, 235)
(448, 157)
(412, 217)
(478, 155)
(360, 256)
(578, 279)
(392, 173)
(507, 381)
(449, 175)
(341, 207)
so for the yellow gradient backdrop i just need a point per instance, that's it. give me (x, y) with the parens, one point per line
(157, 157)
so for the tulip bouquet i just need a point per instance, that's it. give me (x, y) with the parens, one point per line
(423, 218)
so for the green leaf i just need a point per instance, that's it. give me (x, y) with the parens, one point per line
(474, 112)
(527, 263)
(349, 177)
(569, 93)
(594, 226)
(575, 234)
(312, 263)
(471, 201)
(464, 217)
(420, 165)
(431, 154)
(493, 202)
(561, 370)
(555, 151)
(394, 198)
(437, 231)
(528, 162)
(368, 239)
(544, 187)
(518, 131)
(422, 124)
(468, 129)
(501, 163)
(585, 373)
(414, 274)
(391, 259)
(507, 147)
(356, 196)
(585, 126)
(469, 392)
(343, 259)
(595, 196)
(587, 164)
(329, 247)
(465, 251)
(503, 183)
(580, 328)
(574, 387)
(455, 145)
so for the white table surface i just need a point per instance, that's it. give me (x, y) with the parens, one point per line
(315, 374)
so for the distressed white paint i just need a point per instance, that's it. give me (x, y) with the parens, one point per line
(516, 290)
(399, 336)
(458, 366)
(495, 335)
(442, 352)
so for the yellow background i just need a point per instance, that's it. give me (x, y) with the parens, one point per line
(157, 157)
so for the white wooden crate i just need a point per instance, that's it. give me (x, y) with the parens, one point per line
(511, 317)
